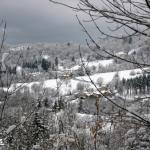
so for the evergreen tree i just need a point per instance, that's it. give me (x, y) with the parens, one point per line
(73, 59)
(46, 102)
(53, 67)
(45, 65)
(60, 104)
(56, 61)
(130, 40)
(32, 132)
(80, 107)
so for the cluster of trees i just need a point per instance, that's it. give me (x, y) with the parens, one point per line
(31, 65)
(44, 64)
(62, 132)
(58, 105)
(35, 64)
(32, 134)
(103, 69)
(137, 85)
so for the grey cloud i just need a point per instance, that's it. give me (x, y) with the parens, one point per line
(39, 21)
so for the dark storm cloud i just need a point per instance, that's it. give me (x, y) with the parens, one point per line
(39, 21)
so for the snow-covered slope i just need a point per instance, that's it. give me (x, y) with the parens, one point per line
(132, 51)
(139, 50)
(96, 64)
(103, 63)
(67, 86)
(107, 77)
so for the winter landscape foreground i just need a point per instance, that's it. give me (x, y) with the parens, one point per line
(68, 102)
(81, 95)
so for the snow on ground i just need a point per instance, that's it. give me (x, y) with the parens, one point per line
(88, 119)
(67, 86)
(132, 51)
(121, 53)
(107, 77)
(103, 63)
(45, 56)
(35, 73)
(61, 68)
(107, 127)
(75, 67)
(84, 118)
(19, 48)
(1, 142)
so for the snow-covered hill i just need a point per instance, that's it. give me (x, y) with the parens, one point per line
(70, 85)
(97, 63)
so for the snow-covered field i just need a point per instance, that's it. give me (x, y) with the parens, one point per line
(107, 77)
(103, 63)
(70, 85)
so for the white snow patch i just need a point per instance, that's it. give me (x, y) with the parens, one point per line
(61, 68)
(107, 77)
(45, 56)
(1, 142)
(35, 73)
(75, 67)
(132, 51)
(85, 117)
(103, 63)
(70, 85)
(19, 48)
(19, 71)
(121, 53)
(107, 127)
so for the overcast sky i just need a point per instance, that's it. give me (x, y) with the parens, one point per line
(30, 21)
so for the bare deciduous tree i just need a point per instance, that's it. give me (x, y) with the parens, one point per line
(124, 19)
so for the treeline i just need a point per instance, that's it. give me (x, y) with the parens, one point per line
(137, 85)
(44, 64)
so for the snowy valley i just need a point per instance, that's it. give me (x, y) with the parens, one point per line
(84, 100)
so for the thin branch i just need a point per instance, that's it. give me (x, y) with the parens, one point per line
(137, 117)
